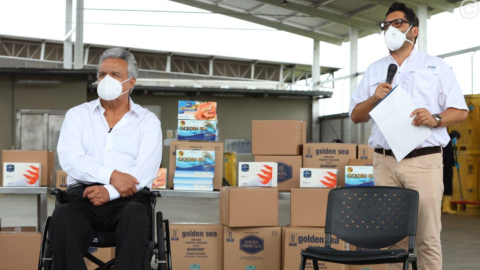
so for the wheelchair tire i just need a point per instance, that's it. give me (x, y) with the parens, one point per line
(161, 242)
(45, 250)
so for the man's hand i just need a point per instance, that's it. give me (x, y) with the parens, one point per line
(382, 91)
(97, 195)
(124, 183)
(423, 118)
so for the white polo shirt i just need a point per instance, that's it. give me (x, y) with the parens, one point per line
(428, 80)
(89, 153)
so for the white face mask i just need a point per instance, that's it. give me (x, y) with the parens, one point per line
(394, 38)
(110, 89)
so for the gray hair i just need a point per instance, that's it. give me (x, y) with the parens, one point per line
(119, 53)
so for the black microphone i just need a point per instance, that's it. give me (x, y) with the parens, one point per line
(392, 69)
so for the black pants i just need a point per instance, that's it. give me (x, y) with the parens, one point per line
(447, 180)
(75, 222)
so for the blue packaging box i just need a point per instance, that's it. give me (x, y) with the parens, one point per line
(197, 130)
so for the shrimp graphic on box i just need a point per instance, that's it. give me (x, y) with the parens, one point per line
(257, 174)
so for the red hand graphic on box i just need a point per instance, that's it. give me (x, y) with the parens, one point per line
(330, 182)
(267, 175)
(33, 175)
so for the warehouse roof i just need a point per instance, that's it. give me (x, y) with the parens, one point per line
(324, 20)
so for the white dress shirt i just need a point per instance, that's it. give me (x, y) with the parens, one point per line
(428, 80)
(89, 153)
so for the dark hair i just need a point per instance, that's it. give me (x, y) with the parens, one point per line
(409, 13)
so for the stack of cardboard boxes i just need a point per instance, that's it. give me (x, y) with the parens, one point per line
(196, 159)
(20, 246)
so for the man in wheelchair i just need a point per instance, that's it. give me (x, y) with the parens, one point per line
(111, 149)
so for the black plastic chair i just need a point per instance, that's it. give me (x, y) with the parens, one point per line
(160, 248)
(371, 218)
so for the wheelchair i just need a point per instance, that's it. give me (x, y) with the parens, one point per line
(159, 248)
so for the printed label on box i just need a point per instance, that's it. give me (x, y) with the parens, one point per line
(251, 244)
(195, 164)
(199, 130)
(285, 172)
(197, 110)
(258, 174)
(359, 176)
(319, 178)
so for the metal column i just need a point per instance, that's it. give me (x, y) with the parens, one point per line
(316, 86)
(422, 33)
(356, 131)
(79, 36)
(67, 43)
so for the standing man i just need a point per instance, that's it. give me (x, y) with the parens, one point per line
(111, 149)
(431, 84)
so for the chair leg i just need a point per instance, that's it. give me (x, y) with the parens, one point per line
(303, 262)
(414, 265)
(406, 264)
(315, 264)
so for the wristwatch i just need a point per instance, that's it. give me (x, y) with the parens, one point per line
(438, 117)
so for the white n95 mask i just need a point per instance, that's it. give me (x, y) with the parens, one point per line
(394, 38)
(110, 89)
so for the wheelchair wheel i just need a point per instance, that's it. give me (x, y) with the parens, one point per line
(162, 264)
(45, 260)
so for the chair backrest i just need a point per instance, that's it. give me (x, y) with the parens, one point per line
(372, 217)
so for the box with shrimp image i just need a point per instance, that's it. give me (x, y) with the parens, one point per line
(19, 174)
(160, 180)
(197, 110)
(197, 130)
(318, 178)
(257, 174)
(359, 176)
(195, 164)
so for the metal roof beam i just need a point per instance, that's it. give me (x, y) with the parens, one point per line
(437, 4)
(324, 15)
(264, 22)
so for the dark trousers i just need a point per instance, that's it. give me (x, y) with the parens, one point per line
(448, 180)
(75, 222)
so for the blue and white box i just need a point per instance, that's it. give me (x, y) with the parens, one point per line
(257, 174)
(359, 176)
(197, 130)
(195, 164)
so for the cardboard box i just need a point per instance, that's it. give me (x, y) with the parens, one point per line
(359, 176)
(318, 178)
(361, 267)
(257, 174)
(381, 267)
(104, 254)
(253, 248)
(278, 137)
(197, 246)
(329, 156)
(46, 158)
(21, 174)
(217, 147)
(197, 130)
(360, 162)
(249, 207)
(288, 170)
(308, 207)
(197, 110)
(160, 181)
(61, 182)
(19, 250)
(297, 239)
(365, 152)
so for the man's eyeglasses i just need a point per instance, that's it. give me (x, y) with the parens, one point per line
(395, 23)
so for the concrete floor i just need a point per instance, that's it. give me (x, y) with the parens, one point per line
(460, 235)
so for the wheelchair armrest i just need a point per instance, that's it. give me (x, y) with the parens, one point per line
(55, 192)
(155, 194)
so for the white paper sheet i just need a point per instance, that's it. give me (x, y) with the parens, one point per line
(392, 116)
